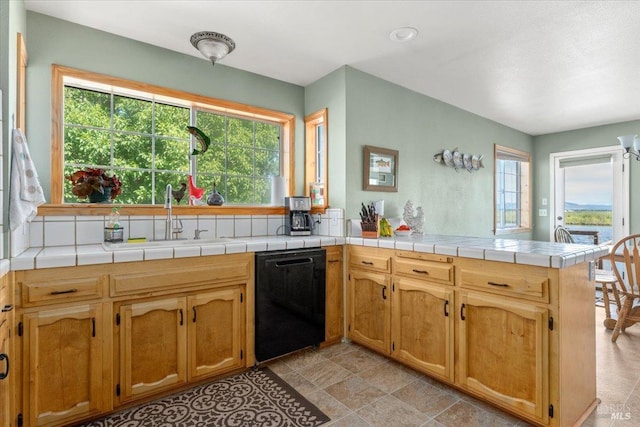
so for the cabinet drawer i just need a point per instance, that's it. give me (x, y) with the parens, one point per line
(370, 259)
(176, 277)
(63, 290)
(523, 284)
(441, 272)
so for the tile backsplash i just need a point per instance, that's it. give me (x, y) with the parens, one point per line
(52, 231)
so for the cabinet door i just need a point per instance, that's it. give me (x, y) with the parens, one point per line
(6, 373)
(334, 297)
(63, 364)
(422, 326)
(369, 309)
(152, 346)
(504, 352)
(216, 325)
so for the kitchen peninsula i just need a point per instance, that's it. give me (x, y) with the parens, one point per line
(498, 319)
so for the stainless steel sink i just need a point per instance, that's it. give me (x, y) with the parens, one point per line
(165, 243)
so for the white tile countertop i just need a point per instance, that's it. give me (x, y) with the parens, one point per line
(68, 256)
(529, 252)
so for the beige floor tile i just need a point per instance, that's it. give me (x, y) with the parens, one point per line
(303, 359)
(389, 376)
(354, 392)
(465, 414)
(358, 361)
(425, 398)
(338, 349)
(279, 367)
(298, 382)
(324, 373)
(327, 404)
(389, 411)
(351, 420)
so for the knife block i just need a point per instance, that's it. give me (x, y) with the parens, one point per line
(371, 231)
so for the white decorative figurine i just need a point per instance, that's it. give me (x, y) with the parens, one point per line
(415, 222)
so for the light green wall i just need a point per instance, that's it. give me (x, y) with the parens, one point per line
(330, 92)
(12, 22)
(53, 41)
(363, 110)
(386, 115)
(600, 136)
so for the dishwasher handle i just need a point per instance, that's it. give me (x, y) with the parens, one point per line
(296, 261)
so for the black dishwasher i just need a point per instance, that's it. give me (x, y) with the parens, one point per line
(290, 301)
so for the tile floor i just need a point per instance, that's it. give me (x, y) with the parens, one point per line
(357, 387)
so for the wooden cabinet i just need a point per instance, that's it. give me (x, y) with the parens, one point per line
(93, 336)
(216, 332)
(334, 325)
(504, 333)
(369, 297)
(504, 353)
(168, 342)
(369, 309)
(7, 355)
(153, 337)
(64, 360)
(422, 326)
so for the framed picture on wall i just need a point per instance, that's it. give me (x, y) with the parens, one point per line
(380, 169)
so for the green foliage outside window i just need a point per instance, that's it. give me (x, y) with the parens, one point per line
(146, 144)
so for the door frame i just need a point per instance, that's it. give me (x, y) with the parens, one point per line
(620, 186)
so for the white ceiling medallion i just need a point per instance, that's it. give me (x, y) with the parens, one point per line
(403, 34)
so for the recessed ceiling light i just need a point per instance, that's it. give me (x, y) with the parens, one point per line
(403, 34)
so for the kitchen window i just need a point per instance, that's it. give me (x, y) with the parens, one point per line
(512, 197)
(315, 169)
(139, 133)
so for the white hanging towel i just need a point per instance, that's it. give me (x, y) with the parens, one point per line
(26, 193)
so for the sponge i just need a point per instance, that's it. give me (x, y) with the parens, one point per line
(137, 240)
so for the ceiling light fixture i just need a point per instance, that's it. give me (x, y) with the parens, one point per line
(629, 141)
(213, 46)
(403, 34)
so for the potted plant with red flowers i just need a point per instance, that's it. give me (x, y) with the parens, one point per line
(95, 184)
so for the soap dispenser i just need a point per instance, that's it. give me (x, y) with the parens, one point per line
(113, 232)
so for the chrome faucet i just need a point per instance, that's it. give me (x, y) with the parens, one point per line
(168, 229)
(197, 234)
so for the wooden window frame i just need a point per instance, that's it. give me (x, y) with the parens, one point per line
(56, 207)
(21, 83)
(501, 153)
(311, 123)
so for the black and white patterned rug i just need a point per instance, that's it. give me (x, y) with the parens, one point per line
(257, 397)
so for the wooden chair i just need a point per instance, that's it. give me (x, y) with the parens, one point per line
(562, 235)
(628, 250)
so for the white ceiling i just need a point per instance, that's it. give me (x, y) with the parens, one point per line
(537, 66)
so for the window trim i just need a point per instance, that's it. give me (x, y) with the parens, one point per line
(56, 207)
(524, 211)
(311, 123)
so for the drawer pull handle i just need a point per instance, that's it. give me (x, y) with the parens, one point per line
(181, 317)
(420, 271)
(7, 308)
(4, 357)
(502, 285)
(93, 327)
(68, 291)
(367, 262)
(446, 308)
(194, 314)
(384, 295)
(462, 312)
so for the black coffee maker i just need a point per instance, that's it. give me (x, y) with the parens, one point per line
(297, 217)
